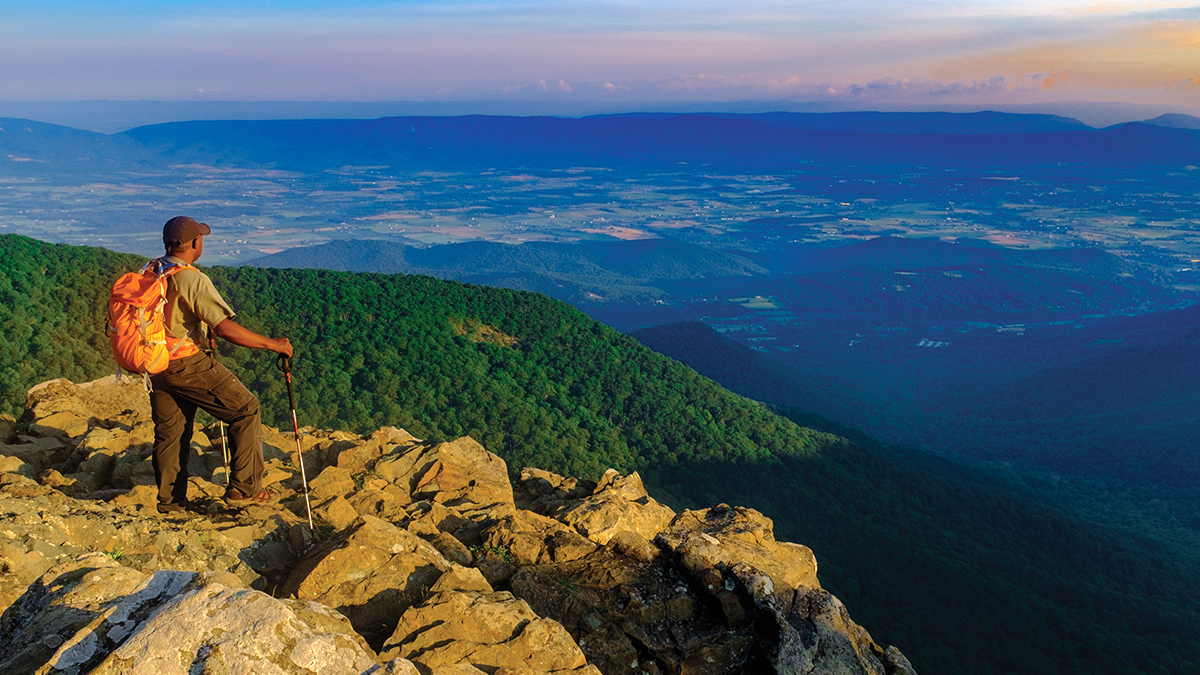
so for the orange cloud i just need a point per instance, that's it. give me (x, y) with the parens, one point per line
(1053, 78)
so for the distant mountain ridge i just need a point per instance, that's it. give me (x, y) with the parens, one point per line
(596, 270)
(36, 148)
(1176, 121)
(985, 122)
(759, 142)
(644, 143)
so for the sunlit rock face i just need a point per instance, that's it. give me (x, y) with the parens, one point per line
(424, 558)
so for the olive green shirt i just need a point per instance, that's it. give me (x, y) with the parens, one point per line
(192, 303)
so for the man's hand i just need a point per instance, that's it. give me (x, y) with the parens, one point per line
(282, 346)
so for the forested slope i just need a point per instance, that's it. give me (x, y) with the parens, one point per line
(965, 576)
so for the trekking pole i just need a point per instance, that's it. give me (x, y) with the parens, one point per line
(285, 364)
(212, 343)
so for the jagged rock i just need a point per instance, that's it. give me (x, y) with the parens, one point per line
(723, 536)
(281, 446)
(336, 511)
(897, 663)
(16, 485)
(429, 518)
(452, 548)
(384, 441)
(619, 504)
(30, 453)
(544, 492)
(459, 474)
(634, 545)
(455, 669)
(611, 603)
(817, 632)
(92, 615)
(60, 424)
(16, 465)
(372, 573)
(462, 579)
(387, 502)
(105, 399)
(8, 427)
(530, 538)
(487, 630)
(332, 482)
(141, 495)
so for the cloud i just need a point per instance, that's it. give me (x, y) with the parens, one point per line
(1191, 83)
(563, 86)
(916, 88)
(1052, 78)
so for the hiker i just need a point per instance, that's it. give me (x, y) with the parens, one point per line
(195, 380)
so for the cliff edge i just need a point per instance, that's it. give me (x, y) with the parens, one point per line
(425, 558)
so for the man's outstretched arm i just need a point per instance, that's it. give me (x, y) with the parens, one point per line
(244, 337)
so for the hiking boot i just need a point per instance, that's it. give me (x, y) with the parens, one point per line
(173, 507)
(235, 497)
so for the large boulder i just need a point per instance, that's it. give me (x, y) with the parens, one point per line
(530, 538)
(723, 536)
(73, 408)
(373, 572)
(490, 631)
(383, 442)
(459, 474)
(92, 615)
(619, 504)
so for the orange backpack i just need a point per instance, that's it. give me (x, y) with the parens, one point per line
(136, 323)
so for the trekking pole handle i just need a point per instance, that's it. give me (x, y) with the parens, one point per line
(284, 363)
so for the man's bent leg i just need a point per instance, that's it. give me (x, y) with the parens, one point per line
(245, 439)
(202, 381)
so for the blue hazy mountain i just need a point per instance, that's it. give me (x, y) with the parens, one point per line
(740, 142)
(30, 148)
(759, 142)
(1176, 121)
(576, 272)
(986, 122)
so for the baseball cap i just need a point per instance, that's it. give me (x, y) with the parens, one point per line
(182, 229)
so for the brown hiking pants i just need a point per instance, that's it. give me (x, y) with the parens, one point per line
(200, 382)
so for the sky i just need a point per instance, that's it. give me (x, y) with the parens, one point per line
(859, 52)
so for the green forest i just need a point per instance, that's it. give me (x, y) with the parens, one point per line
(966, 574)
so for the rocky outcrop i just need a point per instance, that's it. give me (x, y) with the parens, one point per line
(372, 572)
(424, 559)
(93, 615)
(488, 630)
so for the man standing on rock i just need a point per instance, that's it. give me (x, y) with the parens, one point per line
(195, 380)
